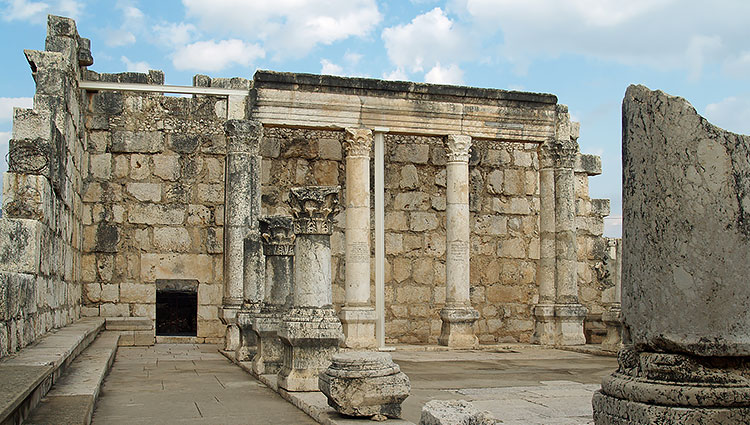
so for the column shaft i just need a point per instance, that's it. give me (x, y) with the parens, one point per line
(357, 315)
(458, 316)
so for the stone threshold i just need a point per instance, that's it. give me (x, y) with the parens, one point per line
(313, 403)
(27, 376)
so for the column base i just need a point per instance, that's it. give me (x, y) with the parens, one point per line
(458, 327)
(559, 324)
(311, 336)
(659, 388)
(569, 324)
(545, 332)
(612, 319)
(358, 324)
(248, 343)
(228, 316)
(268, 356)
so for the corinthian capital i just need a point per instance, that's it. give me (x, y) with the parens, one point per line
(313, 208)
(358, 141)
(458, 148)
(278, 235)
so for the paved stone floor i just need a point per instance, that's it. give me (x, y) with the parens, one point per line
(186, 384)
(522, 385)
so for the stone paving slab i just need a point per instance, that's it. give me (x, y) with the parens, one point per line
(186, 384)
(517, 384)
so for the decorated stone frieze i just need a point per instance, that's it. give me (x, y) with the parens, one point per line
(313, 209)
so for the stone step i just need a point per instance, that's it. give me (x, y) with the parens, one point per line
(134, 331)
(72, 398)
(27, 376)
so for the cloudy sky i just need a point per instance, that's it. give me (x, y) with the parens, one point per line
(584, 51)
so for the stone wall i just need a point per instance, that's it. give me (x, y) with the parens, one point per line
(40, 231)
(153, 203)
(504, 205)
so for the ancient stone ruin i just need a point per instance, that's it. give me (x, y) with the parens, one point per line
(118, 195)
(685, 265)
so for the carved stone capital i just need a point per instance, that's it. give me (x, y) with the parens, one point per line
(358, 142)
(313, 208)
(457, 148)
(278, 235)
(558, 154)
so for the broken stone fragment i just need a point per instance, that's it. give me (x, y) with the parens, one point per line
(454, 412)
(365, 384)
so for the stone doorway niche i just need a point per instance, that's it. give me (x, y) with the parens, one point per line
(176, 307)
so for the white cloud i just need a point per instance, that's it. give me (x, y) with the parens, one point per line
(330, 68)
(135, 66)
(613, 226)
(215, 56)
(397, 74)
(739, 66)
(174, 34)
(287, 27)
(119, 37)
(353, 58)
(427, 40)
(442, 75)
(23, 10)
(36, 11)
(663, 34)
(732, 113)
(7, 104)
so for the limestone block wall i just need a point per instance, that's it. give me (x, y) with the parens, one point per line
(40, 229)
(153, 200)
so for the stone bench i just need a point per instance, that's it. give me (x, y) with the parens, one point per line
(72, 398)
(27, 376)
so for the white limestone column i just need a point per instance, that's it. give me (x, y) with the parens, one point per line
(242, 208)
(357, 315)
(458, 316)
(311, 332)
(544, 310)
(612, 315)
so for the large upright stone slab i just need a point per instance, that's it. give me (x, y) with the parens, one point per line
(686, 260)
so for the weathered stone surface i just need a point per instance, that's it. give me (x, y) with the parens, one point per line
(686, 233)
(20, 245)
(454, 412)
(365, 384)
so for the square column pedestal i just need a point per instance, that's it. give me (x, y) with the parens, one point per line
(458, 327)
(311, 336)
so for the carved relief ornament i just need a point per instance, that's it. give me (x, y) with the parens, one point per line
(457, 148)
(278, 235)
(313, 208)
(358, 142)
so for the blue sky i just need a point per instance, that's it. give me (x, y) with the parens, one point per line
(584, 51)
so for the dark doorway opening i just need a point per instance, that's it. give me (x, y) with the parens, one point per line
(176, 307)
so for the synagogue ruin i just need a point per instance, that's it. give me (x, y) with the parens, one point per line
(291, 216)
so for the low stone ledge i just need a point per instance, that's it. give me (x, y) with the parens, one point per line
(27, 376)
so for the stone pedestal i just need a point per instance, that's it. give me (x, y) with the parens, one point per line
(248, 340)
(685, 265)
(278, 247)
(365, 384)
(311, 332)
(612, 318)
(458, 316)
(357, 315)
